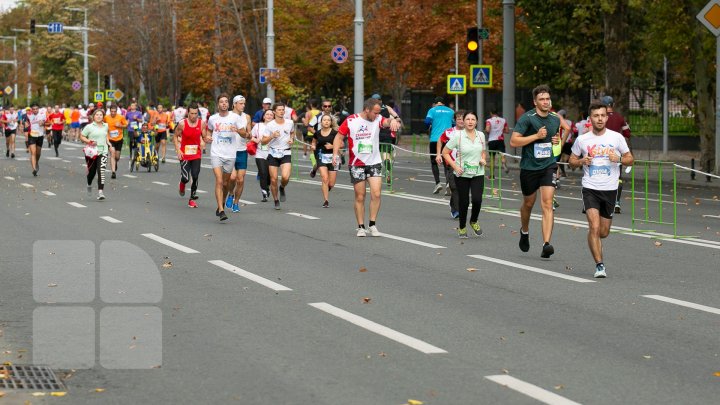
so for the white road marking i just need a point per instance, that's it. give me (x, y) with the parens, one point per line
(684, 303)
(170, 243)
(112, 220)
(130, 176)
(704, 216)
(377, 328)
(48, 193)
(202, 192)
(422, 181)
(28, 185)
(172, 160)
(66, 161)
(413, 241)
(250, 276)
(533, 391)
(76, 205)
(23, 159)
(246, 202)
(160, 183)
(297, 214)
(53, 158)
(533, 269)
(9, 178)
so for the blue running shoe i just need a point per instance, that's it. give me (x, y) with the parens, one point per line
(229, 202)
(235, 208)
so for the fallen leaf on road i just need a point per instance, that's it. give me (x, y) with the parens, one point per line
(158, 366)
(363, 269)
(366, 300)
(382, 354)
(7, 352)
(715, 197)
(568, 268)
(58, 394)
(167, 265)
(513, 232)
(7, 363)
(52, 285)
(99, 389)
(38, 394)
(502, 338)
(559, 387)
(494, 191)
(207, 235)
(439, 295)
(647, 357)
(658, 243)
(501, 226)
(716, 374)
(505, 371)
(471, 269)
(2, 394)
(414, 402)
(697, 201)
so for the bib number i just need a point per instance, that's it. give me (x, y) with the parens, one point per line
(597, 170)
(114, 133)
(34, 133)
(162, 126)
(543, 150)
(277, 153)
(264, 147)
(326, 158)
(191, 149)
(471, 170)
(365, 147)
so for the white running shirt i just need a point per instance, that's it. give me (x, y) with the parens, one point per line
(280, 144)
(363, 139)
(498, 126)
(602, 174)
(12, 119)
(224, 140)
(242, 142)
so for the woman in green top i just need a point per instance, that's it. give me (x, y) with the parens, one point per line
(469, 169)
(96, 134)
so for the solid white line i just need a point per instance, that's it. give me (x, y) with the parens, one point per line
(76, 205)
(130, 176)
(413, 241)
(112, 220)
(9, 178)
(250, 276)
(246, 202)
(533, 269)
(53, 158)
(422, 181)
(202, 192)
(27, 185)
(160, 183)
(297, 214)
(684, 303)
(48, 193)
(533, 391)
(172, 160)
(377, 328)
(170, 243)
(704, 216)
(66, 161)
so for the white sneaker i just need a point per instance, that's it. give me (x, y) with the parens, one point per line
(438, 187)
(361, 232)
(101, 196)
(374, 231)
(89, 191)
(600, 271)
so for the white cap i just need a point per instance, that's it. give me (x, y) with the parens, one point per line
(238, 98)
(80, 106)
(267, 101)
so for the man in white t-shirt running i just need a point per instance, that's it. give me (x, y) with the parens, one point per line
(237, 179)
(279, 137)
(600, 152)
(496, 127)
(363, 133)
(223, 130)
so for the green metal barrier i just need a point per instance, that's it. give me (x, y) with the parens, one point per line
(645, 167)
(387, 153)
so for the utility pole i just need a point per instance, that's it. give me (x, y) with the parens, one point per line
(29, 67)
(270, 46)
(14, 62)
(509, 62)
(359, 88)
(479, 94)
(86, 70)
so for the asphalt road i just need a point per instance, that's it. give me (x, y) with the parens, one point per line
(290, 307)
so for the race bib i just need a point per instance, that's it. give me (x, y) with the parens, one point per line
(114, 134)
(191, 149)
(599, 171)
(264, 147)
(34, 133)
(161, 126)
(134, 125)
(277, 153)
(543, 150)
(365, 147)
(326, 158)
(56, 121)
(472, 170)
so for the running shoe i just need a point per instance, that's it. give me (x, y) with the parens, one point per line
(326, 204)
(163, 160)
(12, 156)
(557, 183)
(454, 214)
(264, 195)
(448, 192)
(277, 204)
(437, 189)
(56, 153)
(229, 201)
(282, 194)
(192, 204)
(235, 208)
(194, 196)
(374, 231)
(476, 228)
(113, 175)
(181, 189)
(100, 196)
(547, 251)
(35, 173)
(221, 215)
(7, 153)
(600, 271)
(313, 172)
(555, 203)
(361, 232)
(618, 210)
(524, 241)
(462, 233)
(89, 191)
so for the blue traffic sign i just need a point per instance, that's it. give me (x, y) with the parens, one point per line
(268, 73)
(55, 28)
(481, 76)
(339, 54)
(456, 84)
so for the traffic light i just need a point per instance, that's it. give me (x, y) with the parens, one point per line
(32, 25)
(472, 46)
(107, 81)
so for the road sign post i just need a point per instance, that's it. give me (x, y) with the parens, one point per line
(709, 16)
(456, 84)
(481, 76)
(55, 28)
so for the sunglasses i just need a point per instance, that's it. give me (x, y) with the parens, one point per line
(326, 106)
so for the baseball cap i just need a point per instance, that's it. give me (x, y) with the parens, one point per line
(439, 100)
(240, 98)
(79, 105)
(607, 100)
(562, 112)
(375, 96)
(99, 104)
(267, 101)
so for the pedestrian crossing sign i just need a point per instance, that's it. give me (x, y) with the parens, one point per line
(456, 84)
(99, 97)
(481, 76)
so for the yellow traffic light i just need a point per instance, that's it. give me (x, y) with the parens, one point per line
(472, 45)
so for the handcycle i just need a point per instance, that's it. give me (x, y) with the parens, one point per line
(145, 153)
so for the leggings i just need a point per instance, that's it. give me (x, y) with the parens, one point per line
(466, 186)
(433, 162)
(190, 168)
(450, 178)
(92, 166)
(264, 174)
(57, 137)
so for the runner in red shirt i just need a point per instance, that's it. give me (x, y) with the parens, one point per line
(57, 122)
(189, 145)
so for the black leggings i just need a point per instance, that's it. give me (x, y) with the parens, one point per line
(433, 162)
(264, 173)
(57, 138)
(466, 186)
(92, 165)
(190, 168)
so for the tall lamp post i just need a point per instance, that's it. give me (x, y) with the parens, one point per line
(29, 64)
(14, 62)
(84, 29)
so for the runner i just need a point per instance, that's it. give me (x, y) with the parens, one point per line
(314, 123)
(47, 111)
(84, 114)
(322, 146)
(310, 114)
(115, 123)
(74, 124)
(536, 132)
(468, 170)
(188, 145)
(10, 121)
(600, 153)
(57, 123)
(160, 121)
(363, 133)
(222, 130)
(35, 127)
(135, 120)
(388, 138)
(496, 127)
(262, 153)
(258, 116)
(449, 176)
(178, 114)
(96, 136)
(438, 119)
(237, 178)
(617, 123)
(279, 136)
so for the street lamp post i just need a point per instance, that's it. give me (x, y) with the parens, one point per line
(29, 64)
(86, 70)
(15, 64)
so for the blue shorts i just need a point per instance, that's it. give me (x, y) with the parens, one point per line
(241, 160)
(74, 125)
